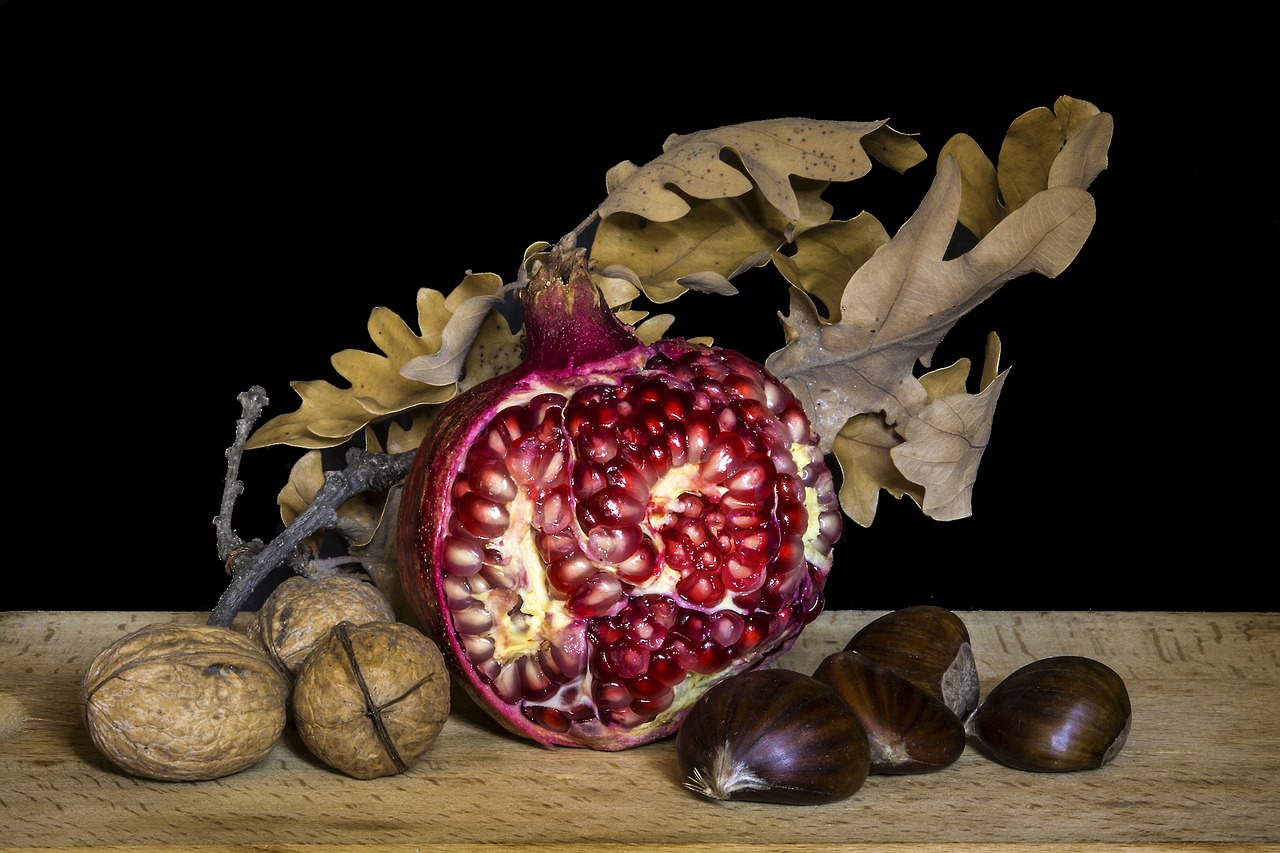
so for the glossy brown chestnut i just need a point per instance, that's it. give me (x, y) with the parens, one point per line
(1054, 715)
(909, 730)
(775, 736)
(927, 645)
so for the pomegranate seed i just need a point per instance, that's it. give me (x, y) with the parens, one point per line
(626, 661)
(610, 694)
(596, 595)
(724, 455)
(642, 566)
(479, 649)
(664, 667)
(482, 518)
(740, 576)
(562, 663)
(507, 683)
(648, 634)
(534, 683)
(551, 719)
(700, 430)
(614, 506)
(675, 404)
(463, 556)
(781, 588)
(488, 477)
(523, 459)
(710, 387)
(597, 443)
(588, 478)
(472, 619)
(649, 705)
(676, 443)
(545, 410)
(726, 627)
(790, 556)
(613, 544)
(756, 628)
(657, 456)
(701, 587)
(553, 511)
(711, 658)
(625, 718)
(569, 572)
(753, 481)
(457, 592)
(505, 428)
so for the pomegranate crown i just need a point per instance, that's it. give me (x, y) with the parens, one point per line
(566, 318)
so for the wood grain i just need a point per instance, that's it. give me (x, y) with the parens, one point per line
(1200, 770)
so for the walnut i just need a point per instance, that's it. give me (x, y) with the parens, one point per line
(300, 612)
(184, 702)
(371, 699)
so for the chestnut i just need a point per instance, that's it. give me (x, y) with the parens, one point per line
(774, 736)
(1054, 715)
(929, 646)
(909, 730)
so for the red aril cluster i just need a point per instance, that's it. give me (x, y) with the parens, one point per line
(598, 537)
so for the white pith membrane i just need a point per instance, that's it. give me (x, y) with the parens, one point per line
(556, 651)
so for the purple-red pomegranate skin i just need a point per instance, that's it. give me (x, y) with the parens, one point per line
(599, 536)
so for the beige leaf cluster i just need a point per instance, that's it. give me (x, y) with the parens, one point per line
(457, 332)
(463, 341)
(865, 311)
(854, 370)
(719, 202)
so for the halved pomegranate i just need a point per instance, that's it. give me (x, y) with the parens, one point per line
(599, 536)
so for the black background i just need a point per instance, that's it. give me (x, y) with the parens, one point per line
(224, 207)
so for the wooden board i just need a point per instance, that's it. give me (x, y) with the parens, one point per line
(1201, 767)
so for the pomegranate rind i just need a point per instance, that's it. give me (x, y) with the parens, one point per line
(586, 650)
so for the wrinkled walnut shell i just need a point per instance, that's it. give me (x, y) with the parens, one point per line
(184, 702)
(300, 612)
(371, 699)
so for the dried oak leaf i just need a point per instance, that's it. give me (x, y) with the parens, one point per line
(714, 242)
(942, 448)
(769, 153)
(899, 305)
(863, 448)
(456, 331)
(826, 257)
(721, 201)
(901, 301)
(1066, 146)
(477, 342)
